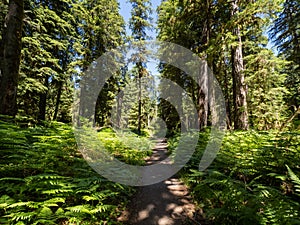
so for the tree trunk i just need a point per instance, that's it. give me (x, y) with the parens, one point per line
(227, 96)
(119, 108)
(10, 53)
(239, 86)
(203, 106)
(203, 97)
(43, 101)
(140, 68)
(60, 85)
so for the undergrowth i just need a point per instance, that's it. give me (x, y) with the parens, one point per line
(253, 180)
(45, 180)
(126, 146)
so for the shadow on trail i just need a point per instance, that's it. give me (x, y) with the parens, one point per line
(164, 203)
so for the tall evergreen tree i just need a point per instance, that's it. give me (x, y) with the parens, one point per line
(178, 24)
(228, 35)
(238, 77)
(100, 29)
(10, 53)
(285, 33)
(61, 39)
(139, 23)
(46, 57)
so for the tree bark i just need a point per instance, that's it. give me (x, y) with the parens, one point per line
(203, 106)
(239, 86)
(58, 97)
(43, 101)
(119, 108)
(203, 98)
(10, 54)
(140, 71)
(227, 96)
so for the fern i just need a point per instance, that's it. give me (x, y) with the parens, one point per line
(44, 180)
(295, 179)
(245, 184)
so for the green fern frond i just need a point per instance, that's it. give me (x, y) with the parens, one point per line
(102, 208)
(295, 179)
(56, 191)
(30, 204)
(79, 209)
(54, 202)
(45, 212)
(89, 198)
(21, 216)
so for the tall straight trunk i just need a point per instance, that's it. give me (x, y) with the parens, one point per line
(58, 97)
(140, 99)
(239, 86)
(43, 101)
(227, 97)
(119, 108)
(227, 88)
(10, 53)
(203, 106)
(203, 97)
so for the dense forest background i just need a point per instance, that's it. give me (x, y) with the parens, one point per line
(61, 39)
(45, 48)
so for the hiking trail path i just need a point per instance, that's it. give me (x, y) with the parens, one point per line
(164, 203)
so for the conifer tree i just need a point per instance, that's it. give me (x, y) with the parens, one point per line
(285, 34)
(100, 29)
(46, 55)
(10, 53)
(229, 35)
(238, 78)
(139, 23)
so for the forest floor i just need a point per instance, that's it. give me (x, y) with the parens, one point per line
(164, 203)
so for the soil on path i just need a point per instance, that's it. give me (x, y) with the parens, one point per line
(164, 203)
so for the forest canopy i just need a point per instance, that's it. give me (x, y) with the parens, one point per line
(252, 47)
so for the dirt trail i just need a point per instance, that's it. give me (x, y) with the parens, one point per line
(164, 203)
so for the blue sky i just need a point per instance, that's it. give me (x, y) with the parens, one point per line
(125, 9)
